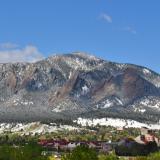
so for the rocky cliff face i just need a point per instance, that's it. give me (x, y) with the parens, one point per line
(71, 85)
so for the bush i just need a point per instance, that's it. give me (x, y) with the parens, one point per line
(81, 153)
(109, 157)
(28, 152)
(154, 156)
(141, 158)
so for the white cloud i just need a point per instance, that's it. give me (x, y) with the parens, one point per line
(106, 17)
(130, 29)
(8, 45)
(12, 53)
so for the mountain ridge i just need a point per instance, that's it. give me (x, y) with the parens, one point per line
(71, 85)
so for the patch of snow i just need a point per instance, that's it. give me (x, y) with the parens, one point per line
(105, 104)
(16, 101)
(151, 102)
(140, 110)
(148, 102)
(2, 99)
(70, 74)
(121, 66)
(33, 128)
(108, 104)
(56, 110)
(146, 71)
(79, 63)
(157, 84)
(85, 55)
(67, 127)
(77, 95)
(119, 101)
(85, 89)
(115, 122)
(59, 107)
(145, 102)
(156, 106)
(39, 85)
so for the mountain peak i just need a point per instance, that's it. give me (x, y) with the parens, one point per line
(85, 55)
(82, 55)
(67, 85)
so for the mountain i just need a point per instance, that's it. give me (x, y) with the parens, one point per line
(64, 87)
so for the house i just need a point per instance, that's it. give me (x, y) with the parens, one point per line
(145, 130)
(147, 138)
(95, 144)
(56, 144)
(63, 144)
(140, 146)
(42, 142)
(71, 145)
(120, 129)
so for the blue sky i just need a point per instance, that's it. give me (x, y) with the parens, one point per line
(117, 30)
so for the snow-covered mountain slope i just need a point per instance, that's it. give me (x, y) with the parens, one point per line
(150, 102)
(33, 128)
(63, 87)
(115, 122)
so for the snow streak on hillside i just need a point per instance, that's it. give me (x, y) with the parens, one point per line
(115, 123)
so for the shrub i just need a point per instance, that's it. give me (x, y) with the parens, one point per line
(154, 156)
(81, 153)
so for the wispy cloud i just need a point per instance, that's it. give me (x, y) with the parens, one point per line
(8, 45)
(130, 29)
(106, 17)
(13, 53)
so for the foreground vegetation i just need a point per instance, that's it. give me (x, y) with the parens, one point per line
(85, 153)
(33, 151)
(30, 151)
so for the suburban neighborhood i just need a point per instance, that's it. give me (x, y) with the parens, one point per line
(146, 140)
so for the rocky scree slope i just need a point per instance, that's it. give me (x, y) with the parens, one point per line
(64, 87)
